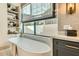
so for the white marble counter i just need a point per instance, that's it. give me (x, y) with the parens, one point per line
(68, 38)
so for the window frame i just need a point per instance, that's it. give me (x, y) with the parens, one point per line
(53, 16)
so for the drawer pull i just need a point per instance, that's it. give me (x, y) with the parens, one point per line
(71, 47)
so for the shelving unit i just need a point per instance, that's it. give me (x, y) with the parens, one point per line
(13, 18)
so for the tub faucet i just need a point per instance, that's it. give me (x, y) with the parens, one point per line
(20, 34)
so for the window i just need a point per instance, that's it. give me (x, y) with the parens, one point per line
(29, 27)
(26, 12)
(40, 27)
(41, 10)
(35, 15)
(38, 11)
(46, 27)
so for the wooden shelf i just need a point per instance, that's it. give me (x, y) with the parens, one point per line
(14, 12)
(12, 27)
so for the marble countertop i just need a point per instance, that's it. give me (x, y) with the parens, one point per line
(65, 37)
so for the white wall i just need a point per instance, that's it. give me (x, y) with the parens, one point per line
(65, 19)
(3, 22)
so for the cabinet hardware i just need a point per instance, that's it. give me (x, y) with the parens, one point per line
(71, 47)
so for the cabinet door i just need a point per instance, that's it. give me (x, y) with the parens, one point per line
(66, 52)
(65, 48)
(55, 48)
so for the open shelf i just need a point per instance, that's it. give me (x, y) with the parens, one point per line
(10, 11)
(13, 18)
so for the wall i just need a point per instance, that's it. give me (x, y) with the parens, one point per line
(64, 18)
(3, 22)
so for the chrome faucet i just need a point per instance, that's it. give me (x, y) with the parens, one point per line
(20, 34)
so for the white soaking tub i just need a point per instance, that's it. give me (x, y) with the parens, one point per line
(29, 47)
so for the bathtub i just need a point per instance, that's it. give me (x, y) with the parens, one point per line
(29, 47)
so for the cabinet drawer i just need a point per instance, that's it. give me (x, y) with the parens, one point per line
(70, 44)
(64, 46)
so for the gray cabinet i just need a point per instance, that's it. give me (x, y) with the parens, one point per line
(65, 48)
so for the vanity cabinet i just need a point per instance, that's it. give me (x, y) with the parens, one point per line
(65, 48)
